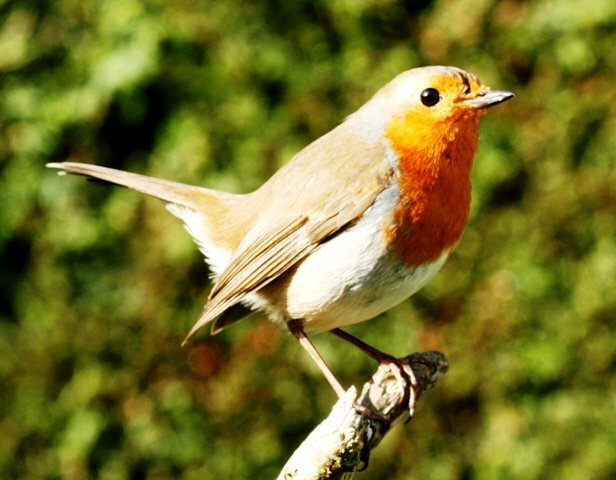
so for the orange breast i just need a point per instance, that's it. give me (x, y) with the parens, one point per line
(435, 160)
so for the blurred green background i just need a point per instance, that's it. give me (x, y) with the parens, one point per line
(98, 285)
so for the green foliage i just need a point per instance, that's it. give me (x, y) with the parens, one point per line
(99, 285)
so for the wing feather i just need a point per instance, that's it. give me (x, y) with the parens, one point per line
(271, 250)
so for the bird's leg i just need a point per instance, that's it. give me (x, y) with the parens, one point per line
(400, 364)
(369, 350)
(297, 329)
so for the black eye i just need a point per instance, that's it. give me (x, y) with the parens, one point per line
(430, 97)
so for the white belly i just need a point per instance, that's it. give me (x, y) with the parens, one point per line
(354, 276)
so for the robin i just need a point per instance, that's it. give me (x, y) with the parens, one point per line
(356, 222)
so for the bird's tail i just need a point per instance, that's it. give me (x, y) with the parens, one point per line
(208, 215)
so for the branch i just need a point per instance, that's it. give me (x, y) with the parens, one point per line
(342, 443)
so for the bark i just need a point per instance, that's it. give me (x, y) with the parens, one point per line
(342, 443)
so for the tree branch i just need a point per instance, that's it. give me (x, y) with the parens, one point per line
(342, 443)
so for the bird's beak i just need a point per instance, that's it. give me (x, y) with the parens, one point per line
(489, 98)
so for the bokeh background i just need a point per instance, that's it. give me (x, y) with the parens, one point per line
(98, 285)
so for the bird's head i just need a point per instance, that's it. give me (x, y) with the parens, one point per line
(429, 106)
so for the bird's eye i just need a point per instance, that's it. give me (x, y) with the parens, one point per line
(430, 97)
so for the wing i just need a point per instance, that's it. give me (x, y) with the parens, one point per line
(298, 217)
(267, 255)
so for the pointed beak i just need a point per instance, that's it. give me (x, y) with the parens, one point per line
(489, 98)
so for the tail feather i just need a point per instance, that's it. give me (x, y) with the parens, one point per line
(172, 192)
(208, 215)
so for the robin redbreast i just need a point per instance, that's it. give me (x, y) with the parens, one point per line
(353, 224)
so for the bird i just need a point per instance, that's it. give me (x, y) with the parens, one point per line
(355, 223)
